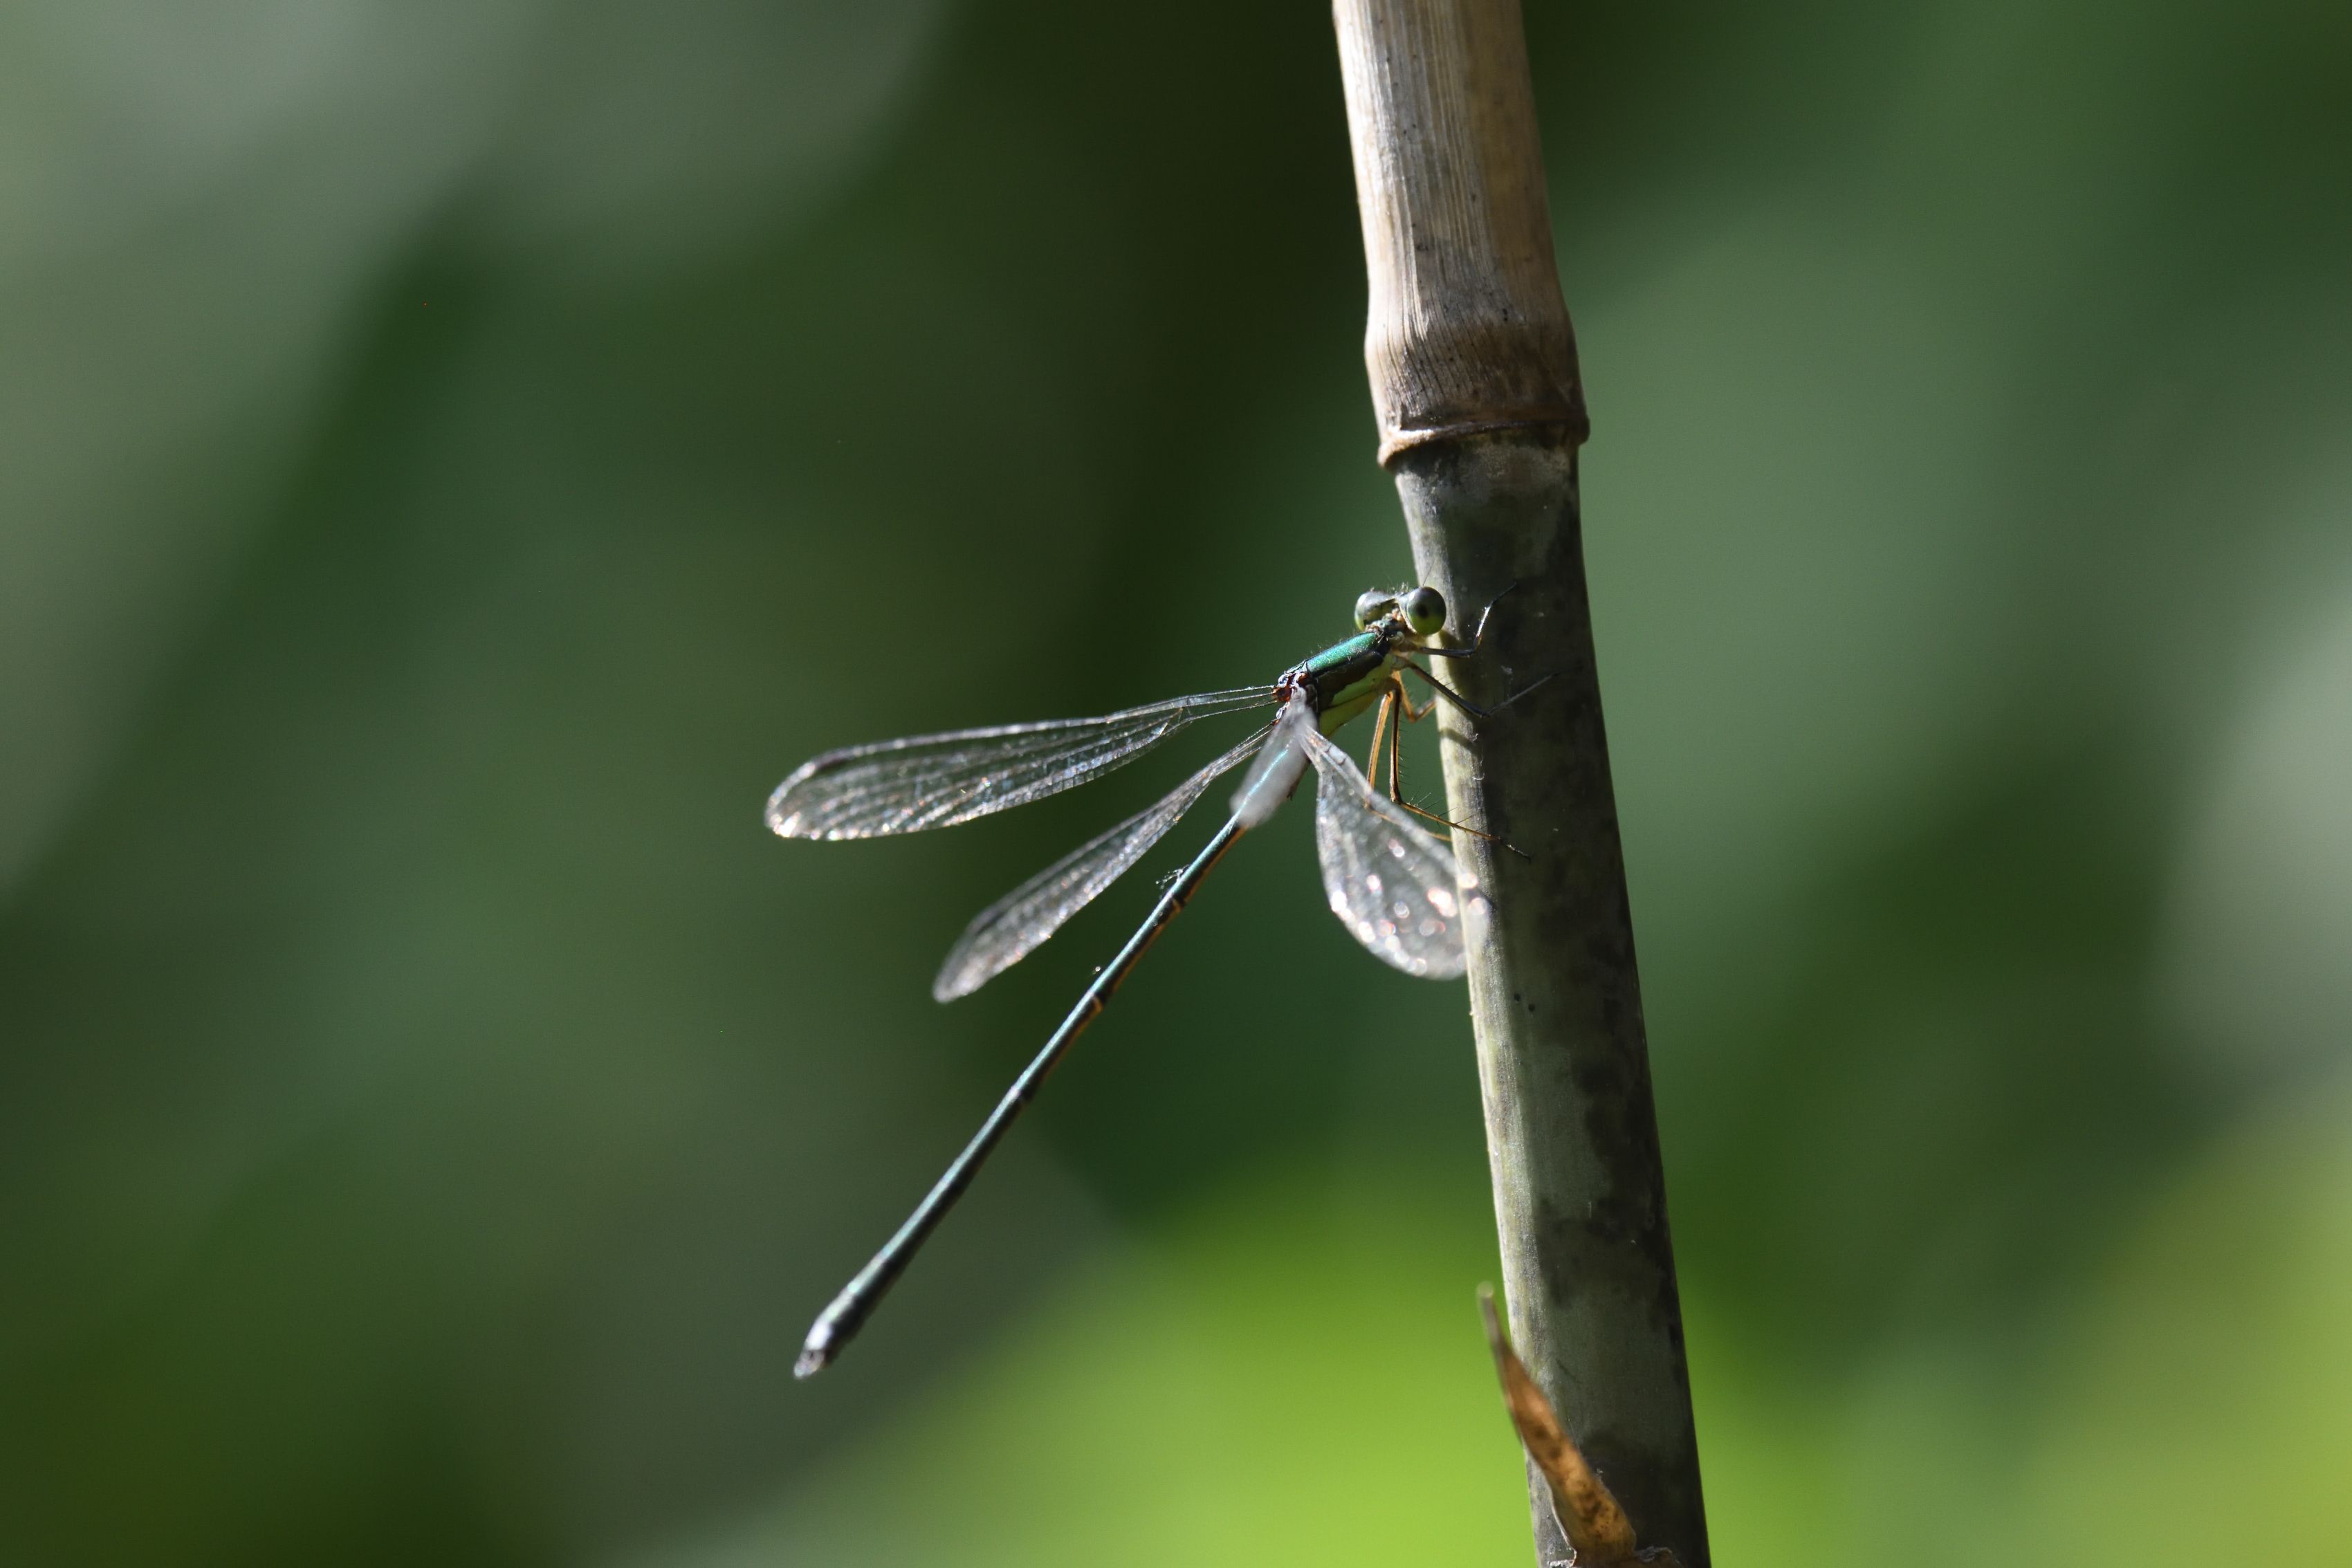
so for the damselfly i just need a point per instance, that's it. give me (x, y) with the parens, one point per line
(1395, 887)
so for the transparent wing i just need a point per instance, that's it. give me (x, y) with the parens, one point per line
(1399, 890)
(938, 780)
(1018, 924)
(1276, 773)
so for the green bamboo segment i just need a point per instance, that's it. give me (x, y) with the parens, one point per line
(1474, 377)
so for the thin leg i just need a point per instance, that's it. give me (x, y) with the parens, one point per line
(1396, 745)
(1459, 828)
(1465, 704)
(1480, 634)
(1396, 776)
(1395, 764)
(1380, 728)
(1395, 797)
(836, 1325)
(1476, 638)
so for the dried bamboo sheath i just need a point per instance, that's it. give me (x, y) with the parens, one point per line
(1468, 332)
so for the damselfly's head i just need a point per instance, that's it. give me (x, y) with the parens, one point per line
(1423, 610)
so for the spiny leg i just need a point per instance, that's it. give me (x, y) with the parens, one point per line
(1380, 727)
(1478, 638)
(1404, 700)
(1464, 704)
(1479, 634)
(1396, 764)
(1395, 742)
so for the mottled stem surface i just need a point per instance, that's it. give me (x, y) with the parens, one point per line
(1474, 380)
(1572, 1134)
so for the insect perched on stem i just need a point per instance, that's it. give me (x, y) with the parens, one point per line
(1398, 890)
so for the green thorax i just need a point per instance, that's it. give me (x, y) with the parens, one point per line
(1348, 676)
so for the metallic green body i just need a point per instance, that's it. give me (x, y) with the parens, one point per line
(1350, 676)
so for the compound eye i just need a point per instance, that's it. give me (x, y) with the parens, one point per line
(1371, 605)
(1424, 611)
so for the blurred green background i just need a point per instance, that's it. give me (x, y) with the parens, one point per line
(455, 457)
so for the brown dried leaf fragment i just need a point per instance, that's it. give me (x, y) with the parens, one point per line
(1588, 1516)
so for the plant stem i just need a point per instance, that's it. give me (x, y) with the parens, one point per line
(1473, 368)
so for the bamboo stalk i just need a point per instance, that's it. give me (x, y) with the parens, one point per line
(1474, 376)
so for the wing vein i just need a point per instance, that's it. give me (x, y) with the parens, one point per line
(1397, 890)
(1018, 924)
(937, 781)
